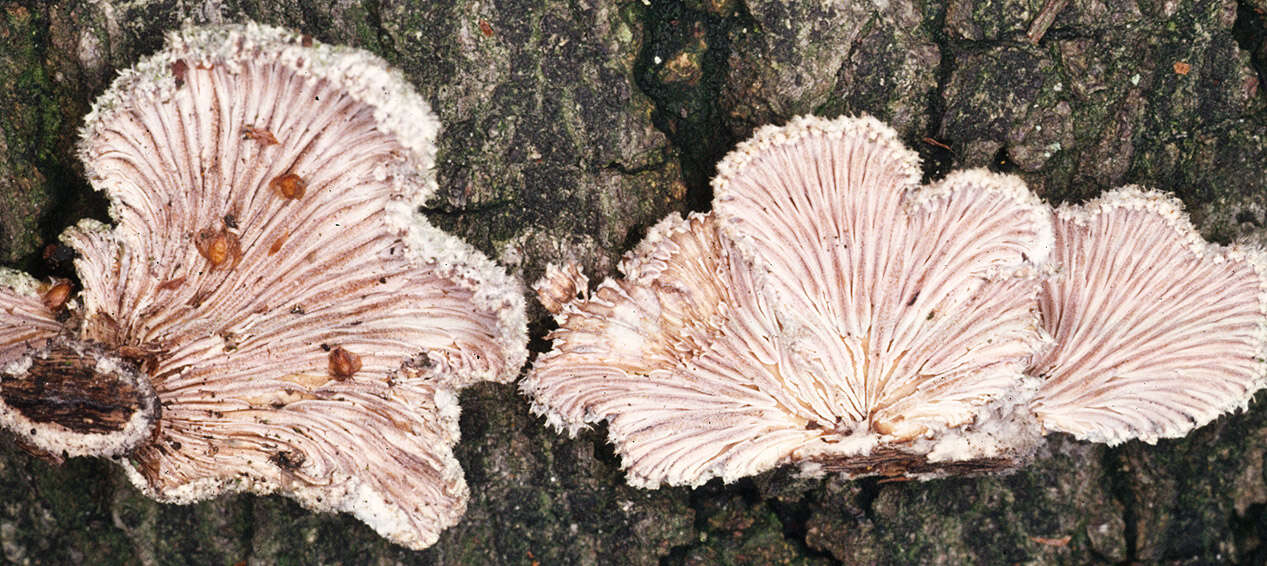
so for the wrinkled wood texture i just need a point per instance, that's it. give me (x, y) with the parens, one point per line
(570, 128)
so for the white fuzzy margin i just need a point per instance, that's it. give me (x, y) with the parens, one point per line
(20, 282)
(342, 493)
(767, 137)
(59, 440)
(1171, 210)
(1012, 188)
(398, 110)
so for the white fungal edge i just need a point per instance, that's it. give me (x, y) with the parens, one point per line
(644, 264)
(641, 267)
(1171, 209)
(59, 440)
(1010, 187)
(771, 136)
(879, 134)
(493, 289)
(1133, 197)
(341, 493)
(20, 282)
(398, 110)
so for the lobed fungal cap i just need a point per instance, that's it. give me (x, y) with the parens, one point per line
(829, 311)
(302, 326)
(1157, 332)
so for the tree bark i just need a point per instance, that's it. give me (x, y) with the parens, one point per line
(572, 126)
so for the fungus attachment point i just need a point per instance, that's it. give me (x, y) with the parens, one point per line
(289, 186)
(343, 364)
(69, 398)
(155, 327)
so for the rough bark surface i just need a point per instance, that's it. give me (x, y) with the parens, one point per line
(571, 125)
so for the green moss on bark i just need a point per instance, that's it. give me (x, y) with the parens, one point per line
(570, 127)
(27, 130)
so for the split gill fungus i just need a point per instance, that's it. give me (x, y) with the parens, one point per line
(269, 313)
(832, 313)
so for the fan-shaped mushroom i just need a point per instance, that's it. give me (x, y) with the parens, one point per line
(1157, 332)
(829, 311)
(832, 313)
(269, 282)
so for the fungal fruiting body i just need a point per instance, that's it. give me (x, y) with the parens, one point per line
(833, 313)
(269, 282)
(1156, 331)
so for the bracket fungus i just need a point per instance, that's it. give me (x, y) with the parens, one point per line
(831, 312)
(270, 313)
(1157, 331)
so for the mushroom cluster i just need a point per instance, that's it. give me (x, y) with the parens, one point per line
(831, 312)
(269, 313)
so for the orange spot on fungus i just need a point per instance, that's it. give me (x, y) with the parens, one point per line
(219, 247)
(277, 244)
(171, 284)
(343, 364)
(1182, 67)
(289, 186)
(56, 295)
(261, 135)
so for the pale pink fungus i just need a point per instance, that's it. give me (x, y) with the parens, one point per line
(1156, 331)
(271, 284)
(829, 311)
(25, 319)
(832, 313)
